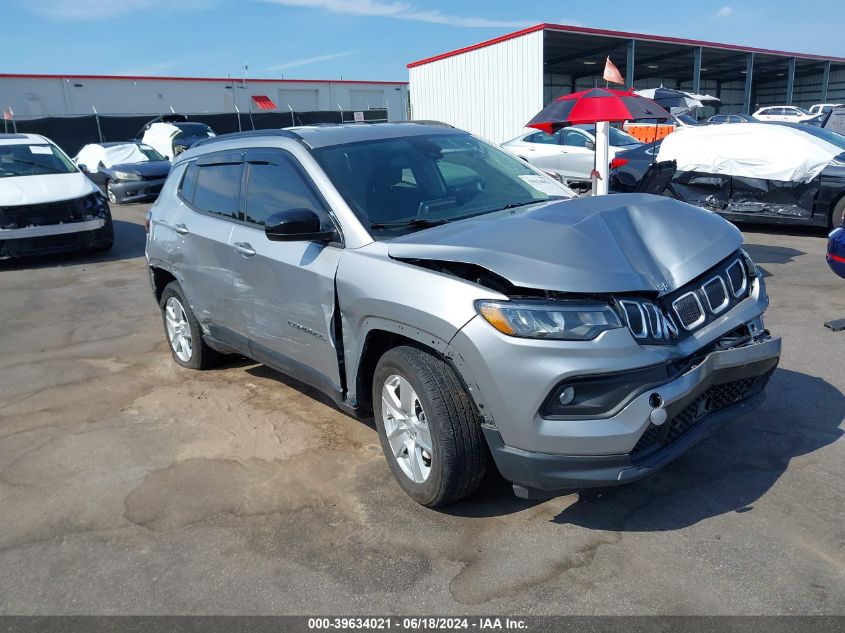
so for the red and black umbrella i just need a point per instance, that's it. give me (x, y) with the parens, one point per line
(597, 104)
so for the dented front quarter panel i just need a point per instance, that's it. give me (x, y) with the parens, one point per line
(376, 292)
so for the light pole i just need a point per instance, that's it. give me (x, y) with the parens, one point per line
(248, 100)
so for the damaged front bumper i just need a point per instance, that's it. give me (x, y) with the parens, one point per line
(723, 385)
(636, 407)
(136, 190)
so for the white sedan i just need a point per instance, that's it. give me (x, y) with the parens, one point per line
(569, 152)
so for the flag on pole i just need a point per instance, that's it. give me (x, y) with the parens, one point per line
(611, 73)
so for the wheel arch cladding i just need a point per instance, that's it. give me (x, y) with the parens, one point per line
(160, 277)
(375, 343)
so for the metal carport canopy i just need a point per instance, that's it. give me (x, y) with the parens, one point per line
(567, 49)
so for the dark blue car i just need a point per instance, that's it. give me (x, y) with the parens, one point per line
(836, 251)
(126, 171)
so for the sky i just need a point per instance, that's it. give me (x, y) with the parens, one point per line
(358, 39)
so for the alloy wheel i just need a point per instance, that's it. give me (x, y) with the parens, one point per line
(406, 428)
(178, 329)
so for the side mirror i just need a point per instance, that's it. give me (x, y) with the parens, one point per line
(296, 225)
(590, 145)
(83, 168)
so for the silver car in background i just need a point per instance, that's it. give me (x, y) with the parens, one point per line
(478, 311)
(569, 153)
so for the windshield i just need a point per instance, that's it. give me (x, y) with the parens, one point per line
(33, 160)
(150, 153)
(401, 184)
(617, 138)
(687, 119)
(193, 129)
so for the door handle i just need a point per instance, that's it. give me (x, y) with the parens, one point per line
(244, 249)
(181, 229)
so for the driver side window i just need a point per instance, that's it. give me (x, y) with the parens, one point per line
(275, 184)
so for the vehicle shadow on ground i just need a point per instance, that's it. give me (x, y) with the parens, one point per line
(762, 254)
(129, 243)
(783, 229)
(727, 472)
(263, 371)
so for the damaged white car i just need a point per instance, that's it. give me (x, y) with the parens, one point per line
(47, 205)
(172, 134)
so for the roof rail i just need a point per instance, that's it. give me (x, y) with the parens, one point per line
(248, 134)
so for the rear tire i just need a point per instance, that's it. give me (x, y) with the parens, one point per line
(428, 427)
(837, 215)
(183, 332)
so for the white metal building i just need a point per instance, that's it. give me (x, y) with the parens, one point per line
(494, 87)
(61, 95)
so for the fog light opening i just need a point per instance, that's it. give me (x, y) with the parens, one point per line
(567, 396)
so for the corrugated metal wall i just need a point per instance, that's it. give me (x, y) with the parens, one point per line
(48, 96)
(491, 91)
(807, 90)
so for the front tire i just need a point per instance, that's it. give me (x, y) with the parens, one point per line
(110, 194)
(183, 331)
(428, 427)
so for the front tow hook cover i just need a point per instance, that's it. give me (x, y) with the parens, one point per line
(658, 416)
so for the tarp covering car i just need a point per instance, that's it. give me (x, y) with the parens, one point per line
(128, 153)
(757, 151)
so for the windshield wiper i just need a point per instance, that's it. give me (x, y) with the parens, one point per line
(39, 165)
(514, 205)
(419, 222)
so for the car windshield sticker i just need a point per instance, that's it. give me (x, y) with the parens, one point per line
(542, 184)
(40, 149)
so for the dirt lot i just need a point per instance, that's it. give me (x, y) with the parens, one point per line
(129, 485)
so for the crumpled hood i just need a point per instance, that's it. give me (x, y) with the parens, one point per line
(24, 190)
(615, 243)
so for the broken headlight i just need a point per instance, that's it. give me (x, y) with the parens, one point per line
(95, 204)
(558, 320)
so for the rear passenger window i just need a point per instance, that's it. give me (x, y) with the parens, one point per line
(275, 184)
(218, 187)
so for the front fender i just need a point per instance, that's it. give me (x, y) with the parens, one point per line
(376, 292)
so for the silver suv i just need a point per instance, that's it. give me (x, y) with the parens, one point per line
(479, 311)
